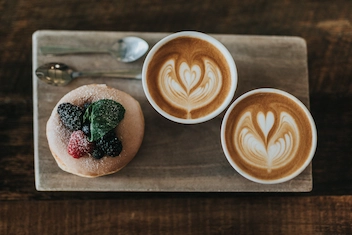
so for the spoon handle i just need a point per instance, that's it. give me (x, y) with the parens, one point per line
(130, 73)
(57, 50)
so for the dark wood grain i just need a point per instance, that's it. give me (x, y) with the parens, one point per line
(244, 215)
(325, 25)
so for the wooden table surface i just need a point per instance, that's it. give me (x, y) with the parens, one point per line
(327, 209)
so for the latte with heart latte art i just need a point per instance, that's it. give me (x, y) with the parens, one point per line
(188, 77)
(268, 135)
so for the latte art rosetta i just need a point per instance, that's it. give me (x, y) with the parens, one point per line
(266, 142)
(268, 136)
(188, 86)
(189, 77)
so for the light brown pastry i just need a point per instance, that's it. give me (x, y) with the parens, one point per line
(130, 131)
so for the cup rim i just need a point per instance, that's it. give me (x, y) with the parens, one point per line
(220, 47)
(308, 115)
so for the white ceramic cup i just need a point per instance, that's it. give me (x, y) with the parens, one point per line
(177, 78)
(268, 136)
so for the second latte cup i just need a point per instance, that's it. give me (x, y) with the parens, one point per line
(189, 77)
(268, 136)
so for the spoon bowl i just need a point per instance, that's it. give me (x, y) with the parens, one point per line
(59, 74)
(127, 49)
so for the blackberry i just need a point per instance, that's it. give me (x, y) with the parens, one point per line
(109, 144)
(86, 128)
(85, 106)
(86, 125)
(98, 153)
(71, 116)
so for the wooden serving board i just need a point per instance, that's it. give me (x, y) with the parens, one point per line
(173, 157)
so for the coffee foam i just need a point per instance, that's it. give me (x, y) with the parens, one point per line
(188, 78)
(268, 136)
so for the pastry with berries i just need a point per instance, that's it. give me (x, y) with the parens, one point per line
(95, 130)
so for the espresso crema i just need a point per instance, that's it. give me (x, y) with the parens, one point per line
(188, 78)
(268, 136)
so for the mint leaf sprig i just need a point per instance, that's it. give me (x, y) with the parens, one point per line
(103, 116)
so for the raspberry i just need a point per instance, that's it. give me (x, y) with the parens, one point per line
(79, 144)
(109, 144)
(71, 116)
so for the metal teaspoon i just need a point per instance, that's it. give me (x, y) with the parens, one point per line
(59, 74)
(127, 49)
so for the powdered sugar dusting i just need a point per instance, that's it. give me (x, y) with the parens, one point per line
(132, 131)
